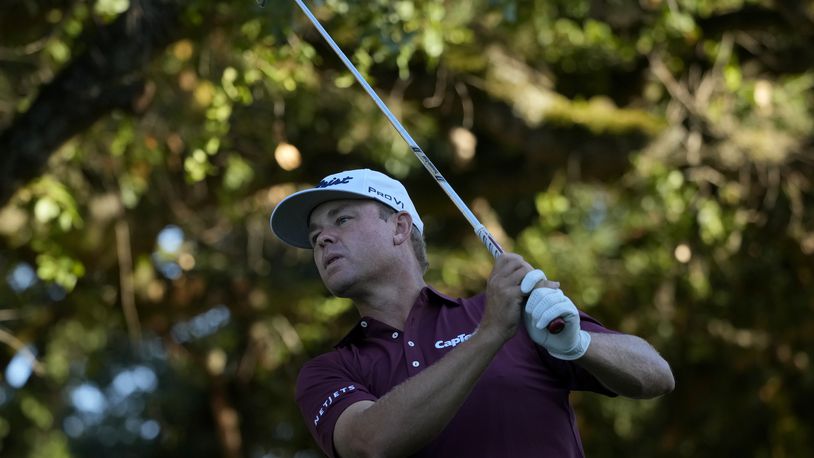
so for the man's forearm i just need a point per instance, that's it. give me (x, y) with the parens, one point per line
(627, 365)
(414, 412)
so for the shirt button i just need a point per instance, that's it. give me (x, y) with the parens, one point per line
(416, 364)
(395, 335)
(411, 343)
(364, 324)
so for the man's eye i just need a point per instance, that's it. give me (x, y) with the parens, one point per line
(314, 239)
(342, 219)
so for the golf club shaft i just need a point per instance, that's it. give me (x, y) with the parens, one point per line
(491, 244)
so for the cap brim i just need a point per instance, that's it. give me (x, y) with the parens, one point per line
(289, 220)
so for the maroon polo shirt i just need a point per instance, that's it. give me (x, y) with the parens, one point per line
(519, 406)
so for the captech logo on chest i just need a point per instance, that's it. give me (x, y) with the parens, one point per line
(459, 339)
(333, 182)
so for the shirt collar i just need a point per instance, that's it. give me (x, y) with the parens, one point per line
(369, 327)
(431, 296)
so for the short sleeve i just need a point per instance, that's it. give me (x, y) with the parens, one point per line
(591, 324)
(325, 388)
(575, 377)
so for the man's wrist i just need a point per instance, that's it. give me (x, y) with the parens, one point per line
(577, 351)
(491, 336)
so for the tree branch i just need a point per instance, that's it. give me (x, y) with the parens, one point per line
(109, 75)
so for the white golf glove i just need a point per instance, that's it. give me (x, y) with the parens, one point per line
(545, 305)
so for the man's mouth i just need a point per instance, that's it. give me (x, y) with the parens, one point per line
(331, 259)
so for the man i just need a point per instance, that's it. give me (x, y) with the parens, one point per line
(425, 374)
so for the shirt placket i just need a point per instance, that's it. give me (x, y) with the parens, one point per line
(413, 356)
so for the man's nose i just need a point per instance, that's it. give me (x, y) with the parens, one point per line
(326, 236)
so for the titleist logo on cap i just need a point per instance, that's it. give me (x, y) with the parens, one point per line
(333, 182)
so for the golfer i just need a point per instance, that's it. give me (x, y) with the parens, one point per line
(425, 374)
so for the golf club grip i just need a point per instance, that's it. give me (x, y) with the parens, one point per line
(494, 248)
(556, 326)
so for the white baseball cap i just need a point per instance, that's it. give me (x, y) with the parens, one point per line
(289, 220)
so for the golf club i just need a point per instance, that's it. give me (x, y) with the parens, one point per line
(494, 248)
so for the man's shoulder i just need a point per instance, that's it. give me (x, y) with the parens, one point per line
(475, 302)
(478, 299)
(329, 359)
(434, 294)
(328, 365)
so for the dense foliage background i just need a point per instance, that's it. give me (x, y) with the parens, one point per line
(654, 156)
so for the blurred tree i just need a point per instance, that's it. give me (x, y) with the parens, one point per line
(655, 157)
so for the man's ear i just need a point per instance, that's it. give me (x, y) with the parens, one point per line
(404, 227)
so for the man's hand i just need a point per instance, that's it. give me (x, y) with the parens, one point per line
(503, 296)
(544, 305)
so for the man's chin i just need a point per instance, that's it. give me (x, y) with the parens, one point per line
(340, 288)
(343, 283)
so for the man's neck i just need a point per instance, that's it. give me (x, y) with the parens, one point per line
(391, 303)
